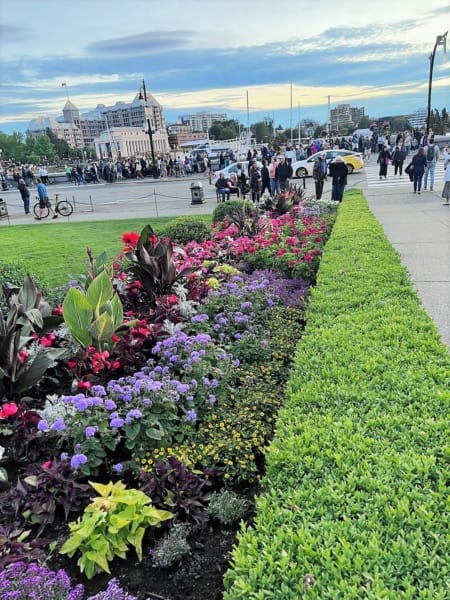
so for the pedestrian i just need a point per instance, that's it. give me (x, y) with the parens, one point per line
(283, 174)
(25, 193)
(255, 179)
(398, 158)
(222, 187)
(383, 160)
(274, 187)
(320, 174)
(419, 163)
(338, 173)
(446, 190)
(43, 200)
(446, 155)
(265, 177)
(432, 154)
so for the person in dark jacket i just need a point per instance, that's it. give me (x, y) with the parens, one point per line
(265, 178)
(419, 163)
(283, 174)
(338, 173)
(383, 160)
(255, 179)
(25, 193)
(320, 174)
(398, 158)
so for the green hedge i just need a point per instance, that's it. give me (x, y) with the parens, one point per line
(356, 488)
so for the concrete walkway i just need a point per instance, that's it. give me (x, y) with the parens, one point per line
(418, 227)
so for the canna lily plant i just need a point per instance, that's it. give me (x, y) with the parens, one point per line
(20, 368)
(95, 317)
(151, 261)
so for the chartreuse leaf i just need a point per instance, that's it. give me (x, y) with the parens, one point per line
(99, 291)
(113, 521)
(117, 311)
(102, 328)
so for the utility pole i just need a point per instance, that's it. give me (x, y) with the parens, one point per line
(441, 40)
(150, 133)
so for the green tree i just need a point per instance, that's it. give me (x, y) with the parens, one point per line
(44, 149)
(263, 130)
(62, 148)
(364, 122)
(224, 130)
(12, 146)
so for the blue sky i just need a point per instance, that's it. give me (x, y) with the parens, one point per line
(208, 55)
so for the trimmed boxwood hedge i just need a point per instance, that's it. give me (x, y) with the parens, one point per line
(356, 489)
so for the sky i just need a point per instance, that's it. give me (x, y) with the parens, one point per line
(251, 59)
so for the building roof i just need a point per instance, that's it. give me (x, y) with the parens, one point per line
(69, 106)
(42, 123)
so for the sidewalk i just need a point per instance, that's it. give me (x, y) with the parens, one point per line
(418, 227)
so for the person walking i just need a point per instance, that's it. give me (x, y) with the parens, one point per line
(398, 158)
(383, 160)
(338, 173)
(25, 193)
(432, 154)
(265, 178)
(43, 200)
(255, 182)
(419, 163)
(274, 187)
(446, 190)
(320, 174)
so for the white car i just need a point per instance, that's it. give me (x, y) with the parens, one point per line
(304, 168)
(233, 169)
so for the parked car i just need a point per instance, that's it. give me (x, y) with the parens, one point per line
(233, 169)
(304, 168)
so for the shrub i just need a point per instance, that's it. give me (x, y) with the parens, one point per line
(227, 507)
(187, 229)
(224, 209)
(355, 501)
(172, 547)
(13, 274)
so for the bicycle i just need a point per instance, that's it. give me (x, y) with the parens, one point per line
(62, 207)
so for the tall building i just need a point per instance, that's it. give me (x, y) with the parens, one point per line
(203, 121)
(343, 114)
(91, 128)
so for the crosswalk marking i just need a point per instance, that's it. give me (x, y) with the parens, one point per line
(372, 169)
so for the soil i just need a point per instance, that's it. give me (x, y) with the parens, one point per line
(198, 576)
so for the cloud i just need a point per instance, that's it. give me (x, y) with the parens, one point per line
(144, 44)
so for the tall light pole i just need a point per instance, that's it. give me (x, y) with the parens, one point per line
(441, 40)
(149, 126)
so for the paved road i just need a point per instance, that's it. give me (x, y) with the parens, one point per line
(417, 226)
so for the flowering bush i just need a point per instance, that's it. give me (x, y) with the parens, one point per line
(21, 581)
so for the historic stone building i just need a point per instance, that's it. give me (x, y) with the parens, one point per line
(111, 130)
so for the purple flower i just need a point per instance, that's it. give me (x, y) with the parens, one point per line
(201, 318)
(43, 425)
(236, 362)
(191, 416)
(90, 431)
(110, 404)
(77, 460)
(58, 425)
(116, 422)
(118, 468)
(212, 399)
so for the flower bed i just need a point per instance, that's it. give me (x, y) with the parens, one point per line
(354, 502)
(156, 386)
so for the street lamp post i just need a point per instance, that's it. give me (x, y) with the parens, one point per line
(441, 40)
(150, 133)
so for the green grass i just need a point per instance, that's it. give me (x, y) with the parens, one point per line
(58, 253)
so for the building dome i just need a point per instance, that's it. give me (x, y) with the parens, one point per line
(42, 124)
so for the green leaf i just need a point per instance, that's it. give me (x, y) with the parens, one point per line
(100, 291)
(117, 311)
(102, 328)
(42, 361)
(77, 313)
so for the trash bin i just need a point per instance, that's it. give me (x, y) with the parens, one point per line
(197, 193)
(3, 209)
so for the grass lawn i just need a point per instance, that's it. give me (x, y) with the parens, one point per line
(58, 253)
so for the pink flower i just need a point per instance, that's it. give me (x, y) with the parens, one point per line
(8, 410)
(280, 252)
(47, 464)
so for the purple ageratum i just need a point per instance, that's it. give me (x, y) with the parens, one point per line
(77, 460)
(90, 431)
(200, 318)
(20, 581)
(191, 416)
(116, 422)
(118, 468)
(113, 592)
(43, 425)
(58, 425)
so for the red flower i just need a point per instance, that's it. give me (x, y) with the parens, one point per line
(71, 364)
(47, 464)
(280, 252)
(172, 299)
(57, 310)
(22, 356)
(8, 410)
(115, 338)
(84, 385)
(116, 364)
(130, 239)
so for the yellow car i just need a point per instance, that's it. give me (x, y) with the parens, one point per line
(304, 168)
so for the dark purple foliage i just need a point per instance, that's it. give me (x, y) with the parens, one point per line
(174, 487)
(43, 490)
(14, 546)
